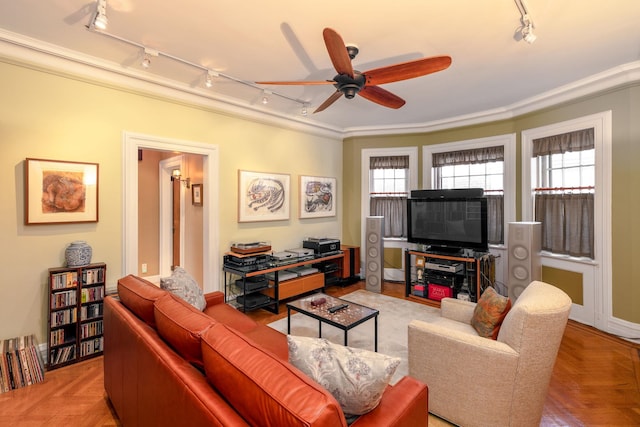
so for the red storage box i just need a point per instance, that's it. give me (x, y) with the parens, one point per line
(419, 291)
(437, 292)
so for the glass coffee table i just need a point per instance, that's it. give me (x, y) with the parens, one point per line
(334, 311)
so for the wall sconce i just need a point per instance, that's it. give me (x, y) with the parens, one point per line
(176, 175)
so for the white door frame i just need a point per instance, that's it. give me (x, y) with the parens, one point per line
(132, 142)
(166, 214)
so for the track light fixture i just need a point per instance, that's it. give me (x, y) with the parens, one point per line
(100, 20)
(304, 110)
(265, 96)
(146, 60)
(526, 30)
(208, 82)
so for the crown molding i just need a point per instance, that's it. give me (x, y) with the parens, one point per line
(36, 54)
(26, 51)
(614, 77)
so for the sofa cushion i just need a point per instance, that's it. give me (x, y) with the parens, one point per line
(224, 313)
(262, 388)
(489, 313)
(181, 283)
(139, 295)
(180, 325)
(357, 378)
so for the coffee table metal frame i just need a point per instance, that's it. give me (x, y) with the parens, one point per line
(344, 319)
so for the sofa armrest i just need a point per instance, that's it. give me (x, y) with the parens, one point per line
(403, 404)
(458, 310)
(213, 298)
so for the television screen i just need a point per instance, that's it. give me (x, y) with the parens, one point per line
(448, 223)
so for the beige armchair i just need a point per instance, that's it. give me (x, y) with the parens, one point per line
(476, 381)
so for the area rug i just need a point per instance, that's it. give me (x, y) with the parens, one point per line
(395, 315)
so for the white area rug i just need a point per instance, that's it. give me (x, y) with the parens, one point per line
(395, 315)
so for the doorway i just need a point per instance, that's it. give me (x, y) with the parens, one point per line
(210, 242)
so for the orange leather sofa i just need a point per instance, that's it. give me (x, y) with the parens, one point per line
(168, 364)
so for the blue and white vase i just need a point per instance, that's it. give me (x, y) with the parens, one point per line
(78, 254)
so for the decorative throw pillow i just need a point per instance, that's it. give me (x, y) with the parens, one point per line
(181, 284)
(489, 313)
(357, 378)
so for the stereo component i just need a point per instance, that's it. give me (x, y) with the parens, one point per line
(525, 263)
(374, 267)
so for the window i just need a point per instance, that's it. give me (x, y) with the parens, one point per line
(388, 191)
(388, 175)
(476, 168)
(563, 169)
(487, 163)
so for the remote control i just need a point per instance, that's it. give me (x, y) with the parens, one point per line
(337, 307)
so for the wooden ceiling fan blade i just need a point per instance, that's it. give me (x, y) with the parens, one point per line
(337, 52)
(381, 96)
(298, 82)
(333, 98)
(407, 70)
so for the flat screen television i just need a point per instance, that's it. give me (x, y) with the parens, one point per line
(448, 224)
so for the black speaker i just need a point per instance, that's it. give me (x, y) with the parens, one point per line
(525, 263)
(374, 266)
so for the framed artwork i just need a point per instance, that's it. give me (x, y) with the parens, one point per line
(317, 196)
(263, 196)
(59, 192)
(196, 194)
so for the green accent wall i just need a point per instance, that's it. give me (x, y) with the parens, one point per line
(624, 102)
(568, 281)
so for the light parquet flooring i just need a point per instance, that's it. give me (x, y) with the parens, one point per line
(596, 382)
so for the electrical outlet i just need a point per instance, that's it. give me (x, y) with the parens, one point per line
(144, 268)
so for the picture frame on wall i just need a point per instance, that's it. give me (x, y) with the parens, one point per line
(60, 192)
(318, 196)
(196, 194)
(263, 196)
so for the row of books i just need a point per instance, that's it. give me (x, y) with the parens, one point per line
(57, 336)
(94, 275)
(63, 317)
(61, 355)
(91, 329)
(91, 346)
(20, 363)
(63, 299)
(91, 311)
(92, 294)
(65, 279)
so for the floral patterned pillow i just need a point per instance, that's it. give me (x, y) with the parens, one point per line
(356, 378)
(182, 285)
(489, 313)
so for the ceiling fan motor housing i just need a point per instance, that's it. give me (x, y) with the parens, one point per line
(350, 86)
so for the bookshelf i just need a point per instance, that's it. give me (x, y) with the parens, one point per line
(75, 324)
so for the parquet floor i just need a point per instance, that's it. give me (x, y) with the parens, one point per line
(596, 382)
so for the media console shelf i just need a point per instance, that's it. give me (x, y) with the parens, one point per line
(432, 276)
(267, 294)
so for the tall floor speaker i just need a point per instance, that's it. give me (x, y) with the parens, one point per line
(525, 264)
(374, 266)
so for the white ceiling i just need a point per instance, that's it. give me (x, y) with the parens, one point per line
(492, 70)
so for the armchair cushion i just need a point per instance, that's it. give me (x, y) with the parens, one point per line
(489, 313)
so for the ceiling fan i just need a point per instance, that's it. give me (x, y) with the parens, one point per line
(350, 82)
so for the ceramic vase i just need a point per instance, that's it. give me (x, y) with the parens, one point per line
(78, 254)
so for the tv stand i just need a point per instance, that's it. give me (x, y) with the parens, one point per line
(433, 275)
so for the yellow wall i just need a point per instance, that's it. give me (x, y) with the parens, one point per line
(625, 105)
(51, 116)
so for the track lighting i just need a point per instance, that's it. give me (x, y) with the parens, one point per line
(210, 74)
(304, 110)
(100, 20)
